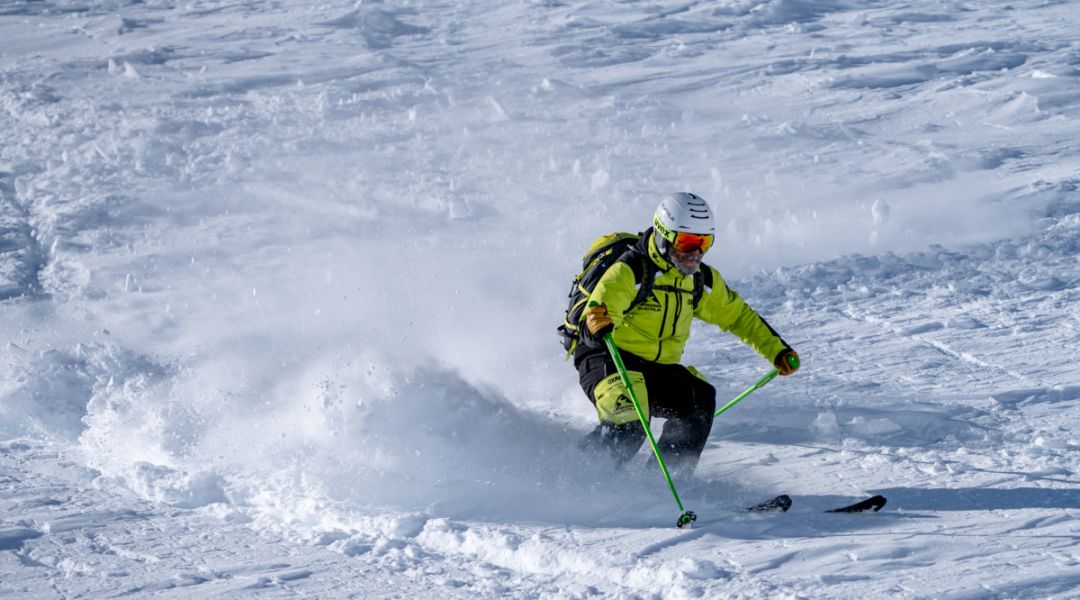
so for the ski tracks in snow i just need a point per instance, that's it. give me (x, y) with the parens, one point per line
(914, 334)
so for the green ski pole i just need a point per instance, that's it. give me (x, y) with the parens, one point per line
(686, 517)
(794, 362)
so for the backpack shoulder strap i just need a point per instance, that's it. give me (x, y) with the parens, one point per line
(644, 273)
(633, 259)
(702, 279)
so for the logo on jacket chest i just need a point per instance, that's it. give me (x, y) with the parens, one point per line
(669, 302)
(650, 305)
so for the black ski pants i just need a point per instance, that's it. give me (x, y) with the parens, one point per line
(675, 393)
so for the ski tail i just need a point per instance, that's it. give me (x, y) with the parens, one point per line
(782, 503)
(874, 503)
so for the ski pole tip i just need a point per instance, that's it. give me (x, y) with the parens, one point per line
(686, 519)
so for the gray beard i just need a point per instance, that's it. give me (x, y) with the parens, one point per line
(684, 269)
(688, 271)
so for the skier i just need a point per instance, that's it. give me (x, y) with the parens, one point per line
(652, 334)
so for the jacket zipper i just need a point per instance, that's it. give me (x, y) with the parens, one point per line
(663, 323)
(678, 305)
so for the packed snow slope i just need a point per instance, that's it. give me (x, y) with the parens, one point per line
(279, 283)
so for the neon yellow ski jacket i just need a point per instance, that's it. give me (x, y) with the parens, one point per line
(657, 329)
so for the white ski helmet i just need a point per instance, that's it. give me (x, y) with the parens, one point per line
(682, 212)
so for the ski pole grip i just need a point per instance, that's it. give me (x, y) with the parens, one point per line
(793, 361)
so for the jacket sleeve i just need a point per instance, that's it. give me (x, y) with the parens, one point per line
(724, 308)
(616, 290)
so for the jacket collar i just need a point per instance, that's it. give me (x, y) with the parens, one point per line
(654, 253)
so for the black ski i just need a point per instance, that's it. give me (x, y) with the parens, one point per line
(782, 503)
(778, 504)
(873, 503)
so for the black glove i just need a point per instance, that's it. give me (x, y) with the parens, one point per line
(787, 362)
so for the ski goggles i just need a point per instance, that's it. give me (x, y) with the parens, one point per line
(690, 242)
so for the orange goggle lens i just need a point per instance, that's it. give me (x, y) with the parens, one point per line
(689, 242)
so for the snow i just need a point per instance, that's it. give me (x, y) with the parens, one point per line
(279, 284)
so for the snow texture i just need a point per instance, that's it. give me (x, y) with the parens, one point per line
(279, 282)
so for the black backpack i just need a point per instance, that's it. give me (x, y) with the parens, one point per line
(604, 252)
